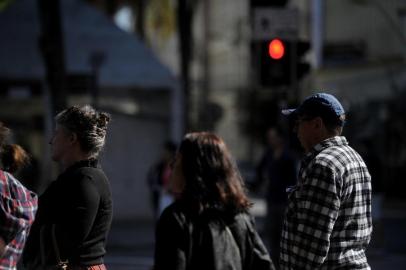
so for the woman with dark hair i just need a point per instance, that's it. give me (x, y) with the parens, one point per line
(18, 206)
(208, 226)
(13, 158)
(16, 160)
(75, 211)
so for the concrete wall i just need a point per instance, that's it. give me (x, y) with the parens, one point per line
(227, 45)
(375, 22)
(133, 145)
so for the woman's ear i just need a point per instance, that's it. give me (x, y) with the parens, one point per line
(73, 138)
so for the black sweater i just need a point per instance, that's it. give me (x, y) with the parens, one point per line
(79, 204)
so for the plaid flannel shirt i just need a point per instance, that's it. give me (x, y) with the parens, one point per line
(17, 212)
(328, 220)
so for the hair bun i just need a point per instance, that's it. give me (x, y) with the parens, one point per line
(103, 119)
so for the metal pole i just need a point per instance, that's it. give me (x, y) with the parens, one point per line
(317, 32)
(205, 90)
(184, 13)
(52, 49)
(96, 60)
(294, 87)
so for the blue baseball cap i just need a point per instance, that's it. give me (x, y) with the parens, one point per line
(320, 104)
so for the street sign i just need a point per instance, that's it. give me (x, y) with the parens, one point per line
(275, 22)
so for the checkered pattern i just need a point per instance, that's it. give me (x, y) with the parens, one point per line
(328, 221)
(17, 211)
(92, 267)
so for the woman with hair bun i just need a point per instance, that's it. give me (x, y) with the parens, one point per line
(75, 211)
(208, 226)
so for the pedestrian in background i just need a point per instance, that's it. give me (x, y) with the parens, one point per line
(208, 226)
(328, 220)
(75, 211)
(158, 180)
(278, 170)
(18, 205)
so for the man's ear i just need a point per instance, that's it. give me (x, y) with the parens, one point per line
(318, 122)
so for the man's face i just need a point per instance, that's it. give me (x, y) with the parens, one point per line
(306, 129)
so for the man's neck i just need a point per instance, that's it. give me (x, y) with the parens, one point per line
(321, 138)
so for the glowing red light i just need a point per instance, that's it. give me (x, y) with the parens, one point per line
(276, 49)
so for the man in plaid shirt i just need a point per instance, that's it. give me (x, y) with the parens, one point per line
(328, 221)
(17, 211)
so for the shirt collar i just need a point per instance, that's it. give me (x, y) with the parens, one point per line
(333, 141)
(92, 162)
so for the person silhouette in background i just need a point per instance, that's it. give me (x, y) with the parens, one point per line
(278, 170)
(158, 179)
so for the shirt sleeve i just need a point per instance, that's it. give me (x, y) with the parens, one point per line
(17, 208)
(9, 224)
(316, 204)
(169, 245)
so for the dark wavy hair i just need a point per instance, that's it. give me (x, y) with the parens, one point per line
(212, 179)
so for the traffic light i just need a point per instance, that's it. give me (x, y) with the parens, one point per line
(272, 63)
(277, 53)
(302, 66)
(276, 49)
(280, 62)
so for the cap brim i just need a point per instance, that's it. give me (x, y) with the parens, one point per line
(289, 112)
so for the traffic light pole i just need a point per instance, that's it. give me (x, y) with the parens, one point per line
(294, 87)
(52, 49)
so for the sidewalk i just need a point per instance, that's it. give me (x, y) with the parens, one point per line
(132, 237)
(130, 245)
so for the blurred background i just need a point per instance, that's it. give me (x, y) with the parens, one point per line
(165, 67)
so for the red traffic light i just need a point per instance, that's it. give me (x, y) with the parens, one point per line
(276, 49)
